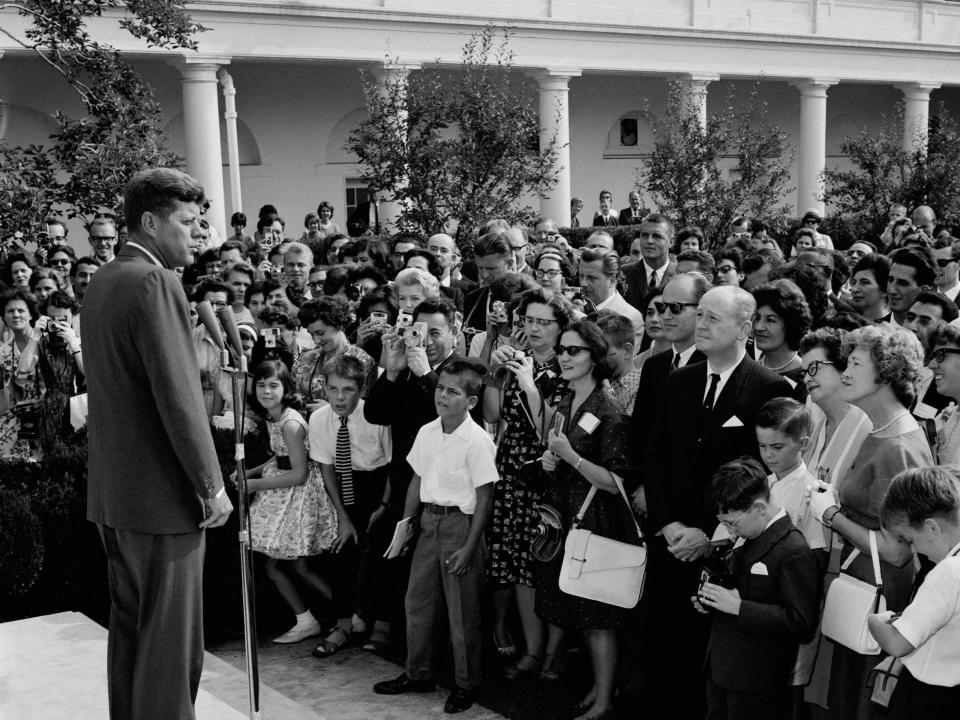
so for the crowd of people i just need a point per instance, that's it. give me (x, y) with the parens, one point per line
(779, 413)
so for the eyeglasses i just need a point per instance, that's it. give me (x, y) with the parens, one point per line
(103, 239)
(940, 354)
(943, 262)
(539, 322)
(518, 248)
(675, 307)
(570, 350)
(726, 268)
(814, 367)
(732, 524)
(547, 273)
(60, 261)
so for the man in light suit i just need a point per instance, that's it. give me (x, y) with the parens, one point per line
(656, 239)
(706, 419)
(154, 481)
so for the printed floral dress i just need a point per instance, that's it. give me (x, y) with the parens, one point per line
(291, 522)
(513, 517)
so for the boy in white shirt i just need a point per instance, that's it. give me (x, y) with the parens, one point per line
(922, 508)
(355, 477)
(453, 460)
(783, 428)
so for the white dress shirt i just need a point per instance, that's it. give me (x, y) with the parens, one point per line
(931, 623)
(453, 465)
(370, 445)
(724, 376)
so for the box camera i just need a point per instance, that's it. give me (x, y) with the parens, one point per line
(415, 335)
(404, 319)
(270, 336)
(498, 312)
(379, 320)
(715, 568)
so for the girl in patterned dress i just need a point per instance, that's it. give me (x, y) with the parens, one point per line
(292, 516)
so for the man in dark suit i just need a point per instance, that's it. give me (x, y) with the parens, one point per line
(154, 480)
(447, 253)
(494, 260)
(633, 215)
(705, 419)
(655, 268)
(681, 295)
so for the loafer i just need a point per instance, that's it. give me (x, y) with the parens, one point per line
(458, 701)
(402, 685)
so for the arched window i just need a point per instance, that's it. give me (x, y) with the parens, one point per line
(629, 136)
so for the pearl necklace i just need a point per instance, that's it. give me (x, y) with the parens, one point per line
(897, 417)
(779, 367)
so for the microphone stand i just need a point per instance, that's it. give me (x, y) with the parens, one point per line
(238, 375)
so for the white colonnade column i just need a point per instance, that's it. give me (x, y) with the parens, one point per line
(916, 114)
(388, 77)
(233, 144)
(201, 126)
(555, 121)
(813, 143)
(697, 86)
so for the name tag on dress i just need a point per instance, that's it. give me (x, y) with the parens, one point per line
(589, 423)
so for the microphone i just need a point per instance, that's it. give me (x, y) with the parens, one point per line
(209, 320)
(229, 323)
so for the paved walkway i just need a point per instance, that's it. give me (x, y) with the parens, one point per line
(55, 666)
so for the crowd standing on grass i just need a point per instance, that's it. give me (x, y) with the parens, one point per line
(778, 414)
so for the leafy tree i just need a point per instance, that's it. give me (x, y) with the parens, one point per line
(92, 157)
(883, 173)
(455, 147)
(685, 172)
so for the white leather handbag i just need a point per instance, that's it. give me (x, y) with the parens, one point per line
(598, 568)
(850, 602)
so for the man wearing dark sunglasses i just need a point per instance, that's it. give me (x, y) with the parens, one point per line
(946, 254)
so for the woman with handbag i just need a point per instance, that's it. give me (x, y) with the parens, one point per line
(532, 379)
(883, 367)
(587, 449)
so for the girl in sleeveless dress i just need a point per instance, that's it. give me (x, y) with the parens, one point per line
(291, 517)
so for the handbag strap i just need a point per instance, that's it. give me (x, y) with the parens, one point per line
(874, 556)
(578, 519)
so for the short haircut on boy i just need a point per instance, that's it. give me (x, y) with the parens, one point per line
(617, 329)
(347, 367)
(469, 372)
(785, 415)
(920, 493)
(736, 485)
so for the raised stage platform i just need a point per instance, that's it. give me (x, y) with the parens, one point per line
(55, 667)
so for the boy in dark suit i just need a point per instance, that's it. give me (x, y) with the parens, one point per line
(764, 606)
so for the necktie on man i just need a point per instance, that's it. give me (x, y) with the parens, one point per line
(343, 464)
(676, 360)
(653, 279)
(711, 392)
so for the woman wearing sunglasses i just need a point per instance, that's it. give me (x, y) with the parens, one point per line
(532, 378)
(945, 363)
(589, 449)
(883, 368)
